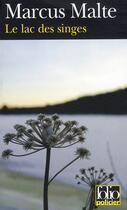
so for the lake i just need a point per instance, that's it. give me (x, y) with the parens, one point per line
(101, 129)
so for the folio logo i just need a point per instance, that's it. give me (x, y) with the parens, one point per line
(107, 195)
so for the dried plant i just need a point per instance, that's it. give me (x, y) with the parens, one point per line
(47, 133)
(92, 177)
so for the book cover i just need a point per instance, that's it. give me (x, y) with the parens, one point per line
(63, 107)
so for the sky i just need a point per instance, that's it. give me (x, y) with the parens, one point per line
(40, 72)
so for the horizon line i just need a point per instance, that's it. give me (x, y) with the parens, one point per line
(63, 102)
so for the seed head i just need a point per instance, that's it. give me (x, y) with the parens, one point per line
(6, 153)
(83, 153)
(58, 122)
(81, 139)
(83, 128)
(73, 122)
(77, 176)
(20, 128)
(92, 177)
(55, 117)
(8, 137)
(41, 116)
(83, 171)
(48, 132)
(111, 175)
(28, 145)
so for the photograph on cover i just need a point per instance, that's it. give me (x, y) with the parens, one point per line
(63, 118)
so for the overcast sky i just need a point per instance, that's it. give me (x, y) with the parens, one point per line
(46, 72)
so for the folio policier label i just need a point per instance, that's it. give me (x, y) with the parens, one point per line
(107, 195)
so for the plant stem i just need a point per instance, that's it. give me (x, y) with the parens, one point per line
(37, 150)
(90, 203)
(46, 179)
(63, 169)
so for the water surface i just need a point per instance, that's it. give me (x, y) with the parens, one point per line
(101, 129)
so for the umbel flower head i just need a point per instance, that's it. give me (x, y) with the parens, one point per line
(45, 132)
(92, 177)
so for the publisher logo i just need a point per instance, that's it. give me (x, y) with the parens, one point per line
(107, 195)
